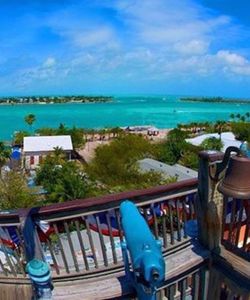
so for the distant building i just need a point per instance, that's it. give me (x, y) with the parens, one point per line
(176, 170)
(153, 131)
(37, 147)
(227, 138)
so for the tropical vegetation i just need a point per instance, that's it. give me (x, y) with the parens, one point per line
(212, 143)
(115, 165)
(63, 180)
(30, 119)
(14, 192)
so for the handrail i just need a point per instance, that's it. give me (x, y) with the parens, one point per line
(106, 200)
(9, 216)
(87, 232)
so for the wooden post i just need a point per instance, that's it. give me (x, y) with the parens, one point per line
(31, 240)
(209, 202)
(209, 214)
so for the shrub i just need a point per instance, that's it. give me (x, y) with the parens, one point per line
(212, 143)
(241, 130)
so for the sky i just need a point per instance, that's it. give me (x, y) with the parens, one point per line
(114, 47)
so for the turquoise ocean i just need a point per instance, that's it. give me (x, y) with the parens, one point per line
(159, 111)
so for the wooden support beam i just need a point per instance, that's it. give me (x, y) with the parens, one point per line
(209, 202)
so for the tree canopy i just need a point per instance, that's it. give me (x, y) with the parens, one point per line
(14, 192)
(77, 134)
(115, 165)
(212, 143)
(63, 180)
(30, 119)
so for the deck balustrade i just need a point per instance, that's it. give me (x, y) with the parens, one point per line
(86, 237)
(236, 226)
(205, 242)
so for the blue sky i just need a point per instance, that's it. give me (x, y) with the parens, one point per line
(187, 47)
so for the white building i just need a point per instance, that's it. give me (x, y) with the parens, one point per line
(227, 138)
(37, 147)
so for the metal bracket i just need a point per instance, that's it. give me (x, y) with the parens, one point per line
(220, 167)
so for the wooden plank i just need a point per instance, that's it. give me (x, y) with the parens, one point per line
(72, 250)
(84, 256)
(15, 292)
(65, 262)
(235, 262)
(116, 285)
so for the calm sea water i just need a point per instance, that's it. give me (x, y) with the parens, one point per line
(160, 111)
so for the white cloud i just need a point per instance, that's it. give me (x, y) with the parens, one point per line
(159, 39)
(234, 62)
(193, 47)
(93, 37)
(49, 62)
(232, 58)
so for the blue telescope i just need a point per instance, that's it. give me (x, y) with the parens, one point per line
(145, 253)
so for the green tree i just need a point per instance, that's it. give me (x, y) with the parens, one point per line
(241, 130)
(30, 119)
(172, 150)
(63, 182)
(243, 118)
(212, 143)
(18, 137)
(238, 116)
(46, 131)
(189, 159)
(59, 155)
(219, 127)
(4, 154)
(14, 192)
(77, 136)
(115, 165)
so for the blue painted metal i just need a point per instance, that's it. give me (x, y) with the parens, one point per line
(39, 273)
(245, 149)
(145, 252)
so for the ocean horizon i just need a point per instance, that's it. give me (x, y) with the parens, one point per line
(160, 111)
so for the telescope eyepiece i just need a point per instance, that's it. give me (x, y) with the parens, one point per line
(155, 274)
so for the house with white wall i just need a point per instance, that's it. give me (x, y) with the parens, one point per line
(35, 148)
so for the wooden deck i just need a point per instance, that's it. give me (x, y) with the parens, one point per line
(177, 264)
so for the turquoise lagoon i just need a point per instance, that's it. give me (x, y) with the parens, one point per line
(160, 111)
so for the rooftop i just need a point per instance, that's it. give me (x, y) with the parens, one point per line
(47, 143)
(176, 170)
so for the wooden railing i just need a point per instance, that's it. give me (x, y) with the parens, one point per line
(191, 286)
(81, 239)
(236, 226)
(83, 236)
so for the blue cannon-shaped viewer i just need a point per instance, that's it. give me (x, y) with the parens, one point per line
(145, 252)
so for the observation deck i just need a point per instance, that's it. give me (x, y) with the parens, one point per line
(205, 243)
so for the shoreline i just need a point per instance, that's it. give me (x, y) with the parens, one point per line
(51, 103)
(214, 100)
(42, 100)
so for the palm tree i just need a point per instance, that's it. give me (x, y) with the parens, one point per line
(219, 125)
(232, 116)
(59, 155)
(243, 118)
(247, 115)
(30, 119)
(238, 116)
